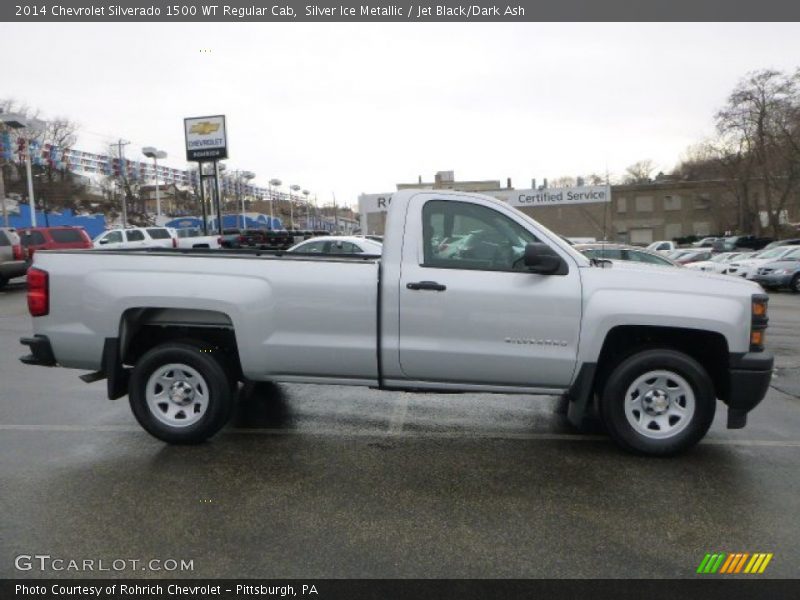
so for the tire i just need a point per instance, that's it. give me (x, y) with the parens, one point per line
(794, 285)
(3, 282)
(180, 394)
(658, 402)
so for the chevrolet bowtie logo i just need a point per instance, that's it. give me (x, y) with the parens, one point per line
(204, 128)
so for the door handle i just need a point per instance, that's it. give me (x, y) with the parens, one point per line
(427, 285)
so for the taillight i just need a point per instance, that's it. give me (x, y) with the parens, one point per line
(19, 254)
(219, 241)
(174, 242)
(38, 292)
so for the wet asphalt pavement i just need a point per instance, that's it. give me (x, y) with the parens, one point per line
(318, 482)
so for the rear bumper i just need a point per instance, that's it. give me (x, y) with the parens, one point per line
(13, 268)
(750, 374)
(41, 351)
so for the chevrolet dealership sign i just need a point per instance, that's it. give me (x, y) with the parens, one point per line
(205, 138)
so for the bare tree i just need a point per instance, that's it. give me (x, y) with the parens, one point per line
(760, 128)
(639, 172)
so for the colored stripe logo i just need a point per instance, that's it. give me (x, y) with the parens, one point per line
(735, 562)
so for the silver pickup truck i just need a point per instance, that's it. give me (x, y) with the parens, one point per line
(468, 295)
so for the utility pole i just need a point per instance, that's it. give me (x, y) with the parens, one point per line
(120, 156)
(335, 215)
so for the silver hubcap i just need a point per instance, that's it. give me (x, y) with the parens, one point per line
(177, 395)
(659, 404)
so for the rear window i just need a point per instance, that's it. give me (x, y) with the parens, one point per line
(159, 234)
(66, 236)
(4, 239)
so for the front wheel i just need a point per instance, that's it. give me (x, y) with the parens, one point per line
(180, 394)
(794, 285)
(658, 402)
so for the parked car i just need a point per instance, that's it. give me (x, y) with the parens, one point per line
(657, 347)
(665, 246)
(717, 263)
(338, 244)
(781, 273)
(192, 237)
(747, 268)
(12, 256)
(262, 239)
(624, 252)
(788, 242)
(740, 242)
(137, 237)
(53, 238)
(692, 255)
(706, 242)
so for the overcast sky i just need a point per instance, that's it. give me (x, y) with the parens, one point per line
(356, 108)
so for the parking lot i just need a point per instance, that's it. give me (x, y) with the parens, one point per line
(313, 481)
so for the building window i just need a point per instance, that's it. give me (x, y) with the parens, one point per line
(672, 231)
(672, 202)
(702, 202)
(644, 204)
(622, 205)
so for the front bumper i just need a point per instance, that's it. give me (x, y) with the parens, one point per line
(41, 351)
(771, 280)
(749, 377)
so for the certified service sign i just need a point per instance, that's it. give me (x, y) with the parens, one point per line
(205, 138)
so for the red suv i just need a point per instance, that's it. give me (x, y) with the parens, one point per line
(53, 238)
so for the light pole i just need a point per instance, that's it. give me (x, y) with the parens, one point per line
(308, 210)
(292, 188)
(272, 183)
(15, 121)
(155, 154)
(247, 176)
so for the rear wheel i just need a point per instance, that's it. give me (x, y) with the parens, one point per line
(180, 394)
(659, 402)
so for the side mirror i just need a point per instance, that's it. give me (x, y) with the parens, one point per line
(542, 259)
(103, 242)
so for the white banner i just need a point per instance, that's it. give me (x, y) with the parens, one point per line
(584, 194)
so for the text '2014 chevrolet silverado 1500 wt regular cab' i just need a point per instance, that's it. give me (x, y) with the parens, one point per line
(468, 295)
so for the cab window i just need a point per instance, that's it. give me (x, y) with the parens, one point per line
(462, 235)
(113, 237)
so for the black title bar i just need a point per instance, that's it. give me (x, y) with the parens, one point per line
(410, 11)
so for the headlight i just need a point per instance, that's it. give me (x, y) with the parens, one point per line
(781, 272)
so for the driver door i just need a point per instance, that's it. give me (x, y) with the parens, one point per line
(469, 310)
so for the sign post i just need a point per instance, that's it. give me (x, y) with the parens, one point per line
(206, 141)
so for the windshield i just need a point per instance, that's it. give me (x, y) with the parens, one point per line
(774, 253)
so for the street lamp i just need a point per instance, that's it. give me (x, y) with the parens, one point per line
(155, 154)
(272, 183)
(247, 176)
(308, 210)
(292, 188)
(15, 121)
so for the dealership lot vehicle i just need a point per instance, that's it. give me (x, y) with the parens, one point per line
(53, 238)
(622, 252)
(137, 237)
(741, 242)
(12, 256)
(786, 242)
(716, 264)
(687, 257)
(175, 333)
(747, 268)
(192, 237)
(782, 273)
(706, 242)
(338, 244)
(664, 246)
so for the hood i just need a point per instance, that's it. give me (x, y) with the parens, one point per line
(792, 265)
(642, 276)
